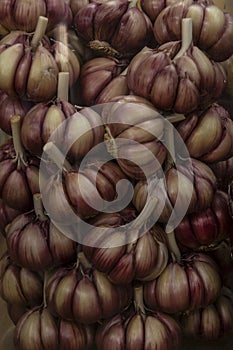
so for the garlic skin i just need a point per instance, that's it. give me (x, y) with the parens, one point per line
(101, 80)
(10, 106)
(7, 215)
(212, 27)
(223, 171)
(23, 15)
(19, 178)
(41, 121)
(19, 286)
(217, 122)
(191, 284)
(181, 84)
(153, 7)
(85, 295)
(212, 322)
(207, 228)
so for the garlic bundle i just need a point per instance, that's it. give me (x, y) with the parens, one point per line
(212, 27)
(142, 259)
(198, 183)
(175, 81)
(192, 283)
(212, 322)
(85, 295)
(138, 328)
(29, 64)
(44, 118)
(34, 242)
(117, 28)
(101, 79)
(199, 230)
(19, 172)
(134, 131)
(40, 328)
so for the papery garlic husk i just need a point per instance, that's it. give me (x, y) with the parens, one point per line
(223, 171)
(19, 178)
(85, 295)
(20, 286)
(7, 215)
(101, 79)
(45, 331)
(10, 106)
(83, 193)
(193, 283)
(134, 131)
(137, 328)
(23, 15)
(181, 84)
(207, 228)
(153, 7)
(223, 258)
(212, 322)
(212, 27)
(41, 121)
(37, 244)
(116, 28)
(33, 71)
(144, 258)
(215, 121)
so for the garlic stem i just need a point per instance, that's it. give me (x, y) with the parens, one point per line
(57, 156)
(174, 118)
(169, 135)
(46, 277)
(62, 34)
(63, 86)
(132, 3)
(38, 207)
(139, 300)
(172, 245)
(110, 143)
(39, 31)
(83, 260)
(124, 71)
(16, 131)
(187, 36)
